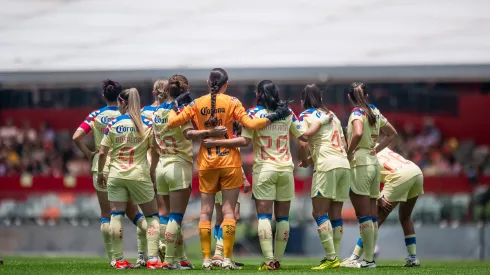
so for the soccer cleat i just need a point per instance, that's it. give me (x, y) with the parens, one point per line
(162, 248)
(366, 264)
(326, 264)
(140, 261)
(349, 263)
(239, 264)
(184, 265)
(123, 264)
(113, 263)
(207, 264)
(154, 265)
(217, 261)
(168, 266)
(271, 265)
(412, 262)
(229, 265)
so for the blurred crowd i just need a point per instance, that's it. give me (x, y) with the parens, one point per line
(42, 151)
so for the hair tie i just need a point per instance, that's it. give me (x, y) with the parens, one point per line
(120, 98)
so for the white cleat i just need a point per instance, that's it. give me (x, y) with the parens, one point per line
(366, 264)
(410, 262)
(113, 263)
(229, 265)
(162, 248)
(207, 264)
(140, 261)
(349, 263)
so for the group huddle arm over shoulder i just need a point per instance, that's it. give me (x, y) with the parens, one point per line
(241, 116)
(185, 115)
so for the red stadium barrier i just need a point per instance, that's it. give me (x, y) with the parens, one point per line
(18, 187)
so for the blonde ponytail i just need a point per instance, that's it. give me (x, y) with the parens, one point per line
(134, 110)
(159, 88)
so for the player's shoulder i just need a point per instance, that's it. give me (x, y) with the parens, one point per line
(149, 108)
(147, 121)
(115, 121)
(293, 116)
(374, 108)
(306, 114)
(254, 111)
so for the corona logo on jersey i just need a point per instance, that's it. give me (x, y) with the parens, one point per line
(105, 119)
(207, 111)
(159, 120)
(123, 129)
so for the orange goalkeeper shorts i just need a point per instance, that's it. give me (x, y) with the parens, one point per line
(214, 180)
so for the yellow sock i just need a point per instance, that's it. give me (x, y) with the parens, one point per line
(117, 218)
(265, 235)
(228, 226)
(205, 236)
(367, 235)
(141, 227)
(105, 229)
(411, 244)
(326, 236)
(152, 234)
(218, 251)
(171, 235)
(338, 230)
(163, 227)
(282, 237)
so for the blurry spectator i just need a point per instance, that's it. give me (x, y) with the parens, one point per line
(8, 132)
(430, 135)
(27, 133)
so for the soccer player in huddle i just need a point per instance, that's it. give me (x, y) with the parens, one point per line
(217, 259)
(128, 138)
(365, 123)
(159, 96)
(220, 168)
(403, 184)
(331, 177)
(96, 122)
(173, 172)
(273, 181)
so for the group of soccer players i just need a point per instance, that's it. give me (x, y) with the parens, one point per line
(126, 177)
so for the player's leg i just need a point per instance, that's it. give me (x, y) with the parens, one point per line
(139, 220)
(208, 185)
(105, 228)
(173, 237)
(360, 197)
(374, 194)
(217, 259)
(405, 216)
(264, 193)
(118, 196)
(163, 203)
(237, 218)
(231, 180)
(343, 179)
(322, 193)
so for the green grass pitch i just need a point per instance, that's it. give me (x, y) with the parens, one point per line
(297, 266)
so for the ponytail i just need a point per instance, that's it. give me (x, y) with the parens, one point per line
(217, 79)
(132, 99)
(312, 98)
(358, 95)
(159, 88)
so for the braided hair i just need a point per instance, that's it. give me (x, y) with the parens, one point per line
(217, 79)
(358, 95)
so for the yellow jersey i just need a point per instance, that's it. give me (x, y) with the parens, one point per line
(326, 146)
(148, 111)
(96, 122)
(172, 144)
(395, 169)
(271, 144)
(129, 149)
(365, 154)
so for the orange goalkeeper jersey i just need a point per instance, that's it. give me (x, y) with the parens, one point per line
(227, 109)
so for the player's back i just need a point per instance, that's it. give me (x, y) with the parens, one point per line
(172, 144)
(326, 146)
(394, 168)
(271, 144)
(365, 153)
(212, 158)
(148, 111)
(129, 149)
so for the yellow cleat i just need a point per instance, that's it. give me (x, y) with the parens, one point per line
(326, 264)
(271, 265)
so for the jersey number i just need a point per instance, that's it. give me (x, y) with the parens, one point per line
(279, 149)
(126, 155)
(168, 146)
(394, 158)
(336, 141)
